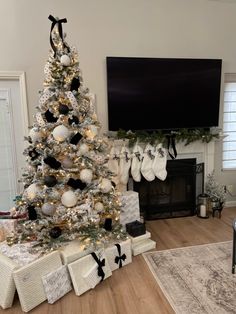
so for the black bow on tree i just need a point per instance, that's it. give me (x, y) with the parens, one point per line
(59, 22)
(101, 263)
(119, 258)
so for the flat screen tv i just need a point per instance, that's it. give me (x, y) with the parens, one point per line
(163, 93)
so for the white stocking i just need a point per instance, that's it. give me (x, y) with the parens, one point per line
(136, 163)
(146, 168)
(125, 162)
(113, 163)
(159, 163)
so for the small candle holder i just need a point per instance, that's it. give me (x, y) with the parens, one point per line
(203, 206)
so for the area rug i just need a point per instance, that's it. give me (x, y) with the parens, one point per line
(196, 279)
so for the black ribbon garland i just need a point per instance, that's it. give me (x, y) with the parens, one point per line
(101, 263)
(171, 146)
(119, 258)
(59, 22)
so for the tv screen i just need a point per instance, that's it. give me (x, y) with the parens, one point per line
(161, 93)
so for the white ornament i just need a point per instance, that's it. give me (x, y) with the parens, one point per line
(69, 199)
(65, 60)
(98, 206)
(67, 162)
(48, 209)
(83, 149)
(86, 175)
(91, 131)
(60, 133)
(35, 135)
(105, 185)
(32, 191)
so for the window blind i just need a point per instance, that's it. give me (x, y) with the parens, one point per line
(229, 123)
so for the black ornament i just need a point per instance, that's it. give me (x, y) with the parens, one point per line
(52, 162)
(113, 184)
(63, 109)
(32, 214)
(74, 120)
(108, 224)
(55, 232)
(76, 184)
(50, 117)
(33, 154)
(75, 84)
(50, 181)
(76, 138)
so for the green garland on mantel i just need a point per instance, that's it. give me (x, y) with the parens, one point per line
(182, 135)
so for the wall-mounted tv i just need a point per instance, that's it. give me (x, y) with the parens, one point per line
(163, 93)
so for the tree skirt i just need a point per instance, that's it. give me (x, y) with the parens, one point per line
(196, 279)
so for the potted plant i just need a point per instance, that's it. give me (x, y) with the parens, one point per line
(216, 191)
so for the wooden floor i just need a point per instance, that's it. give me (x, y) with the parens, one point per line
(132, 289)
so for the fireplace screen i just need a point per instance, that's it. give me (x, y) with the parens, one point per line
(174, 197)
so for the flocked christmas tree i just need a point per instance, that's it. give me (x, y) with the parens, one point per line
(68, 190)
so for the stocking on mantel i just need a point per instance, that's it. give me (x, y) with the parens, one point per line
(146, 168)
(125, 163)
(159, 162)
(137, 163)
(113, 163)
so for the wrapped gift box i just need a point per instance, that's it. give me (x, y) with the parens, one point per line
(85, 272)
(12, 258)
(130, 207)
(73, 251)
(19, 253)
(143, 246)
(57, 284)
(119, 254)
(140, 238)
(7, 226)
(28, 280)
(7, 287)
(136, 228)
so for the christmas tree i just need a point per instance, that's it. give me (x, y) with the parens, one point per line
(68, 189)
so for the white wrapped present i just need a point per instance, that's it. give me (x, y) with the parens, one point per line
(7, 287)
(7, 227)
(140, 238)
(91, 277)
(28, 280)
(143, 246)
(130, 207)
(73, 251)
(57, 284)
(88, 271)
(12, 258)
(19, 253)
(119, 254)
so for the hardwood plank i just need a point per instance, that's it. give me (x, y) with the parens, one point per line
(132, 289)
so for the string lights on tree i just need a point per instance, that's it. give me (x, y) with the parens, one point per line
(68, 189)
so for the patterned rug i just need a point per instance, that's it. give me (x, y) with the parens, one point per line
(196, 279)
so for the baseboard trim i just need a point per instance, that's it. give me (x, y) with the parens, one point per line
(230, 204)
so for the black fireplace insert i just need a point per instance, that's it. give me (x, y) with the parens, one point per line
(174, 197)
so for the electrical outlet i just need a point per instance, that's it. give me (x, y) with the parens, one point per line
(230, 189)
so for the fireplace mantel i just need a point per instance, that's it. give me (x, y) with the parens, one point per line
(203, 152)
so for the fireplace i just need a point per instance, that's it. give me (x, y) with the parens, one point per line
(174, 197)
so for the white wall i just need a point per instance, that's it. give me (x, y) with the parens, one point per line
(100, 28)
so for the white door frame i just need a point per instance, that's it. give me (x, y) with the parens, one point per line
(20, 76)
